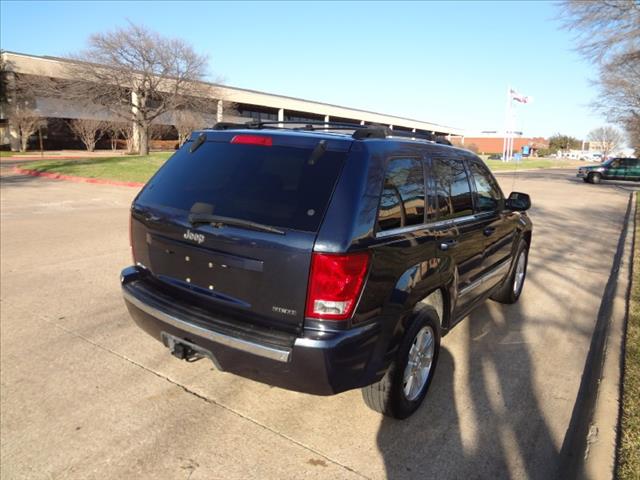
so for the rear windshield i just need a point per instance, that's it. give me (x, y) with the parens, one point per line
(273, 185)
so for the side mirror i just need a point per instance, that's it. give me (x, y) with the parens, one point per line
(518, 202)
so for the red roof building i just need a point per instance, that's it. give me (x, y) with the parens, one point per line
(495, 144)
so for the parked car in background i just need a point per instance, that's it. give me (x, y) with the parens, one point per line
(591, 157)
(612, 169)
(495, 156)
(318, 261)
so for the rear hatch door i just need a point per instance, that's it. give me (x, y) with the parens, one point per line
(229, 222)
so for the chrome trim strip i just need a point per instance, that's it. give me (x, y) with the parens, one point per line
(273, 353)
(410, 228)
(440, 223)
(488, 276)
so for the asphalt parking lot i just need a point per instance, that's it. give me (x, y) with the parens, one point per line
(85, 394)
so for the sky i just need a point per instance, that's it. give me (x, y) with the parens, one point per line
(443, 62)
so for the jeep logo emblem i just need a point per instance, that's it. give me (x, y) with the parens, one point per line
(196, 237)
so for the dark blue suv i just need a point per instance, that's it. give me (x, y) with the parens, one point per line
(321, 259)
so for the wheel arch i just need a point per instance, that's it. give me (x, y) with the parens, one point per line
(438, 299)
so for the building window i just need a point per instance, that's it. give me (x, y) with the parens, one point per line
(259, 114)
(344, 120)
(291, 116)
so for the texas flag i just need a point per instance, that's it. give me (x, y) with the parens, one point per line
(518, 97)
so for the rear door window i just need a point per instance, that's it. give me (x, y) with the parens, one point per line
(403, 199)
(275, 186)
(453, 190)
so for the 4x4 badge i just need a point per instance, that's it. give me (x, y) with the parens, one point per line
(196, 237)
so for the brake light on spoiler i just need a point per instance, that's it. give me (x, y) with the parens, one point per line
(262, 140)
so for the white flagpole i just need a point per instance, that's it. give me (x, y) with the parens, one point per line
(506, 125)
(514, 125)
(511, 124)
(511, 128)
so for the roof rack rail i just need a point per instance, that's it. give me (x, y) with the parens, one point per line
(360, 132)
(319, 125)
(229, 125)
(369, 131)
(443, 141)
(419, 135)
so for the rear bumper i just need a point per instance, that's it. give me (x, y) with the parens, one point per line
(316, 362)
(581, 174)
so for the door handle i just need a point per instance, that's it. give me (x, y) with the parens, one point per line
(448, 244)
(489, 231)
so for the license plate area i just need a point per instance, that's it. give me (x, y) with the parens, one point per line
(186, 350)
(223, 276)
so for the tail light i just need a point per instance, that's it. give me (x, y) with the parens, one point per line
(335, 283)
(262, 140)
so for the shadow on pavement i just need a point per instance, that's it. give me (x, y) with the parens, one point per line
(501, 429)
(505, 428)
(20, 180)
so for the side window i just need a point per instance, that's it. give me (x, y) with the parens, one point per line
(402, 202)
(488, 194)
(630, 162)
(452, 188)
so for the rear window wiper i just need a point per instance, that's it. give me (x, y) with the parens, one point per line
(220, 221)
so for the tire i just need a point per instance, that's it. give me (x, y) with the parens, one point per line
(595, 178)
(388, 396)
(509, 292)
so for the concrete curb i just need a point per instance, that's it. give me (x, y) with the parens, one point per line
(73, 178)
(602, 442)
(589, 448)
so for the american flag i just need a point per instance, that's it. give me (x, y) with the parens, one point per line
(518, 97)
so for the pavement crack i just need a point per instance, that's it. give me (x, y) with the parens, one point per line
(207, 399)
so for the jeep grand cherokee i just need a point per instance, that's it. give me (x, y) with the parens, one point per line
(321, 260)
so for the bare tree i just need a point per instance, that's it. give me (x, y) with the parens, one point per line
(158, 131)
(18, 99)
(119, 131)
(114, 130)
(26, 122)
(619, 99)
(608, 34)
(186, 122)
(605, 30)
(608, 138)
(633, 131)
(88, 131)
(139, 75)
(127, 133)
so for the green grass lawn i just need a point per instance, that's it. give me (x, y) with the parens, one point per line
(529, 163)
(629, 448)
(125, 168)
(4, 153)
(139, 169)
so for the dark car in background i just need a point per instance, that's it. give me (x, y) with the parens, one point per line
(612, 169)
(321, 261)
